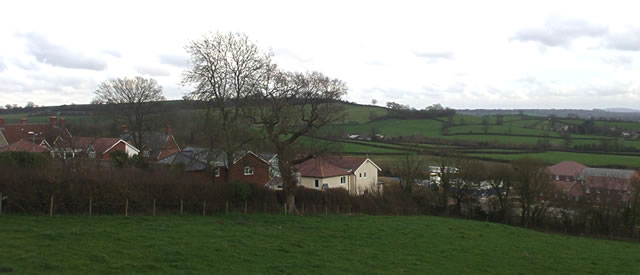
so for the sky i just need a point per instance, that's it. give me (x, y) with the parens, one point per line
(461, 54)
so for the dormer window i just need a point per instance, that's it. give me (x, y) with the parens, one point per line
(557, 177)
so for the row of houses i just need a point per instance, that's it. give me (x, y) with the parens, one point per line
(578, 182)
(356, 175)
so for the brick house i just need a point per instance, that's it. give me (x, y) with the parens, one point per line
(28, 145)
(564, 176)
(156, 145)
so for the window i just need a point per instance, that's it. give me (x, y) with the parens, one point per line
(360, 175)
(317, 183)
(568, 178)
(343, 180)
(587, 191)
(325, 186)
(557, 177)
(248, 170)
(216, 172)
(365, 174)
(597, 191)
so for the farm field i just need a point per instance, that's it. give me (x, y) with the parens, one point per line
(286, 244)
(584, 158)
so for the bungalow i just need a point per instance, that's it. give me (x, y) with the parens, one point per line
(320, 174)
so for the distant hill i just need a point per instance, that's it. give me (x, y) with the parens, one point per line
(604, 114)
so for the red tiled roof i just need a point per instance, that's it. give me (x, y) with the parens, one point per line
(347, 163)
(24, 145)
(567, 168)
(15, 132)
(319, 168)
(100, 145)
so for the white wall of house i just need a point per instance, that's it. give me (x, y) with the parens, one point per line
(366, 178)
(332, 182)
(130, 150)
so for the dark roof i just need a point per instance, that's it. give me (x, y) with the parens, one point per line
(186, 158)
(567, 168)
(347, 163)
(100, 145)
(319, 168)
(153, 141)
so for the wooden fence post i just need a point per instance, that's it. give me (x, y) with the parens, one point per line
(338, 209)
(245, 207)
(265, 207)
(303, 209)
(154, 207)
(126, 207)
(204, 208)
(285, 208)
(181, 207)
(326, 209)
(51, 207)
(1, 203)
(314, 208)
(90, 205)
(226, 209)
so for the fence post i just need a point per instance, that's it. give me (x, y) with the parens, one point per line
(285, 208)
(181, 207)
(326, 209)
(226, 209)
(314, 208)
(303, 209)
(51, 207)
(90, 205)
(204, 208)
(265, 207)
(338, 209)
(126, 207)
(1, 197)
(154, 207)
(245, 207)
(349, 210)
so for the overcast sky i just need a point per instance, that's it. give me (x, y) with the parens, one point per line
(467, 54)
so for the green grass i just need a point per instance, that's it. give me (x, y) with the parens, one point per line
(285, 244)
(362, 113)
(584, 158)
(393, 128)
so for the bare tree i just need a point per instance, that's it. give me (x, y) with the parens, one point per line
(287, 106)
(471, 172)
(531, 182)
(501, 181)
(409, 168)
(225, 70)
(133, 101)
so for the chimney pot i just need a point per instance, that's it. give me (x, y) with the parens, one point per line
(124, 128)
(52, 120)
(23, 121)
(1, 122)
(168, 129)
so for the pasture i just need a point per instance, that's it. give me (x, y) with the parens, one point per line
(287, 244)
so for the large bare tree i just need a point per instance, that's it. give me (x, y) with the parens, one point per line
(225, 69)
(531, 182)
(133, 100)
(287, 106)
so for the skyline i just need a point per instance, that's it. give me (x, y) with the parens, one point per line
(490, 55)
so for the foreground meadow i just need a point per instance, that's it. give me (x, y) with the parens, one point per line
(285, 244)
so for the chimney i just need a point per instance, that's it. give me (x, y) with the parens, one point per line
(1, 122)
(62, 122)
(124, 128)
(52, 120)
(168, 129)
(23, 121)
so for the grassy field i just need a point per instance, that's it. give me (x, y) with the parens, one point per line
(584, 158)
(279, 244)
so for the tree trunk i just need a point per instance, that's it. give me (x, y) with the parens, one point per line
(289, 184)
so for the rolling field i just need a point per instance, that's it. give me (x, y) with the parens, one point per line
(285, 244)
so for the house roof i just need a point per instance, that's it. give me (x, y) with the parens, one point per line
(567, 168)
(606, 173)
(350, 164)
(101, 145)
(189, 158)
(25, 145)
(15, 132)
(320, 168)
(155, 142)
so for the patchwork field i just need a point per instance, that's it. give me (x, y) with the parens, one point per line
(280, 244)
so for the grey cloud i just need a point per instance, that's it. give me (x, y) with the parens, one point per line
(433, 57)
(46, 52)
(174, 60)
(2, 65)
(560, 32)
(620, 62)
(626, 41)
(152, 71)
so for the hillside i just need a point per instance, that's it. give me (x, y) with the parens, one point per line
(285, 244)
